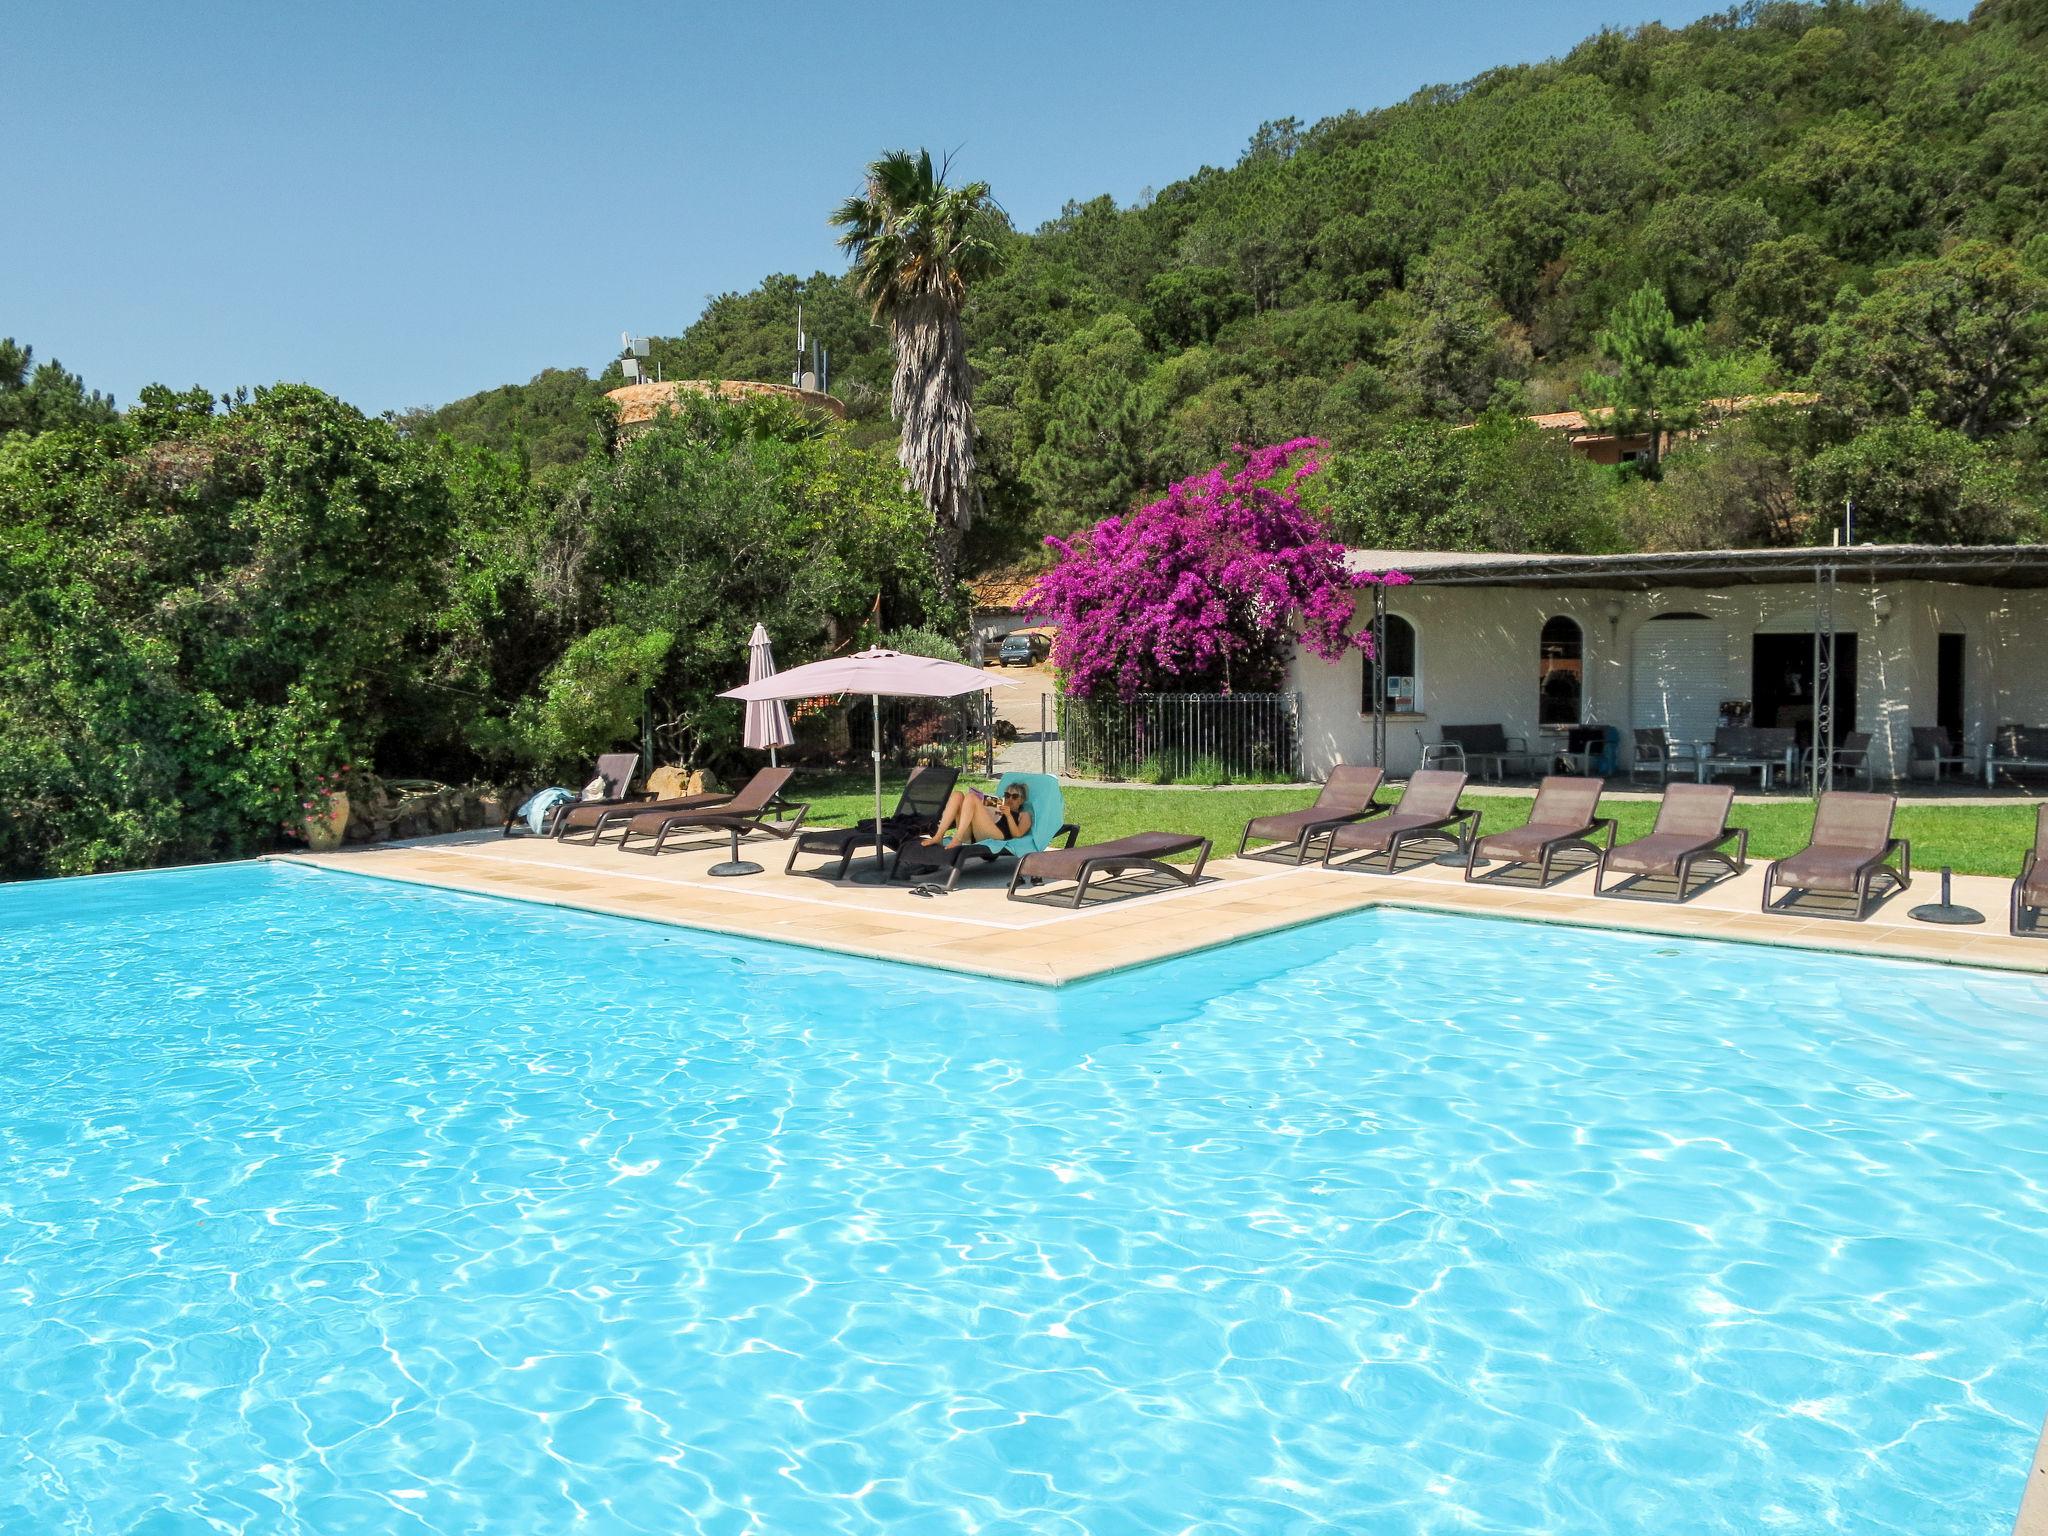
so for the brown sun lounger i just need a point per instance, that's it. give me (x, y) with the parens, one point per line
(591, 820)
(745, 812)
(1848, 856)
(917, 812)
(2030, 891)
(1691, 829)
(615, 770)
(1141, 850)
(1565, 818)
(1346, 795)
(1427, 809)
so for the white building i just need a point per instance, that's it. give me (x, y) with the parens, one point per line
(1924, 636)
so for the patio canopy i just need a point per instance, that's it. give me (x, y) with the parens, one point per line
(1826, 566)
(1977, 565)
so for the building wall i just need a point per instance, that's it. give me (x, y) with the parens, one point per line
(1477, 660)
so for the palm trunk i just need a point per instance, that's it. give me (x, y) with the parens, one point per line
(932, 401)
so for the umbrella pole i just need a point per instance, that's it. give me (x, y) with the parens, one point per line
(881, 854)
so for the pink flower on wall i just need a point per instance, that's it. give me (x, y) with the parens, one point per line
(1207, 588)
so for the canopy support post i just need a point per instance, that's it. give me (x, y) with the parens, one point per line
(1379, 675)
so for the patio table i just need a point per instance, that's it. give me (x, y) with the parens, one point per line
(1761, 765)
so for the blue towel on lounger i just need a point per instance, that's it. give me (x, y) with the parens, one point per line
(536, 811)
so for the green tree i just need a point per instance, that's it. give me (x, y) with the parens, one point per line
(1503, 484)
(1915, 482)
(1086, 420)
(918, 246)
(714, 518)
(1661, 372)
(1961, 339)
(592, 699)
(41, 397)
(200, 612)
(1452, 343)
(1780, 297)
(1731, 489)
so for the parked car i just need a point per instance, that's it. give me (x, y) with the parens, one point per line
(1022, 650)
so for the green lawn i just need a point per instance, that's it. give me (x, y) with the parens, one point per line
(1981, 839)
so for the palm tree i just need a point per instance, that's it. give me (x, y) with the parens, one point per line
(917, 244)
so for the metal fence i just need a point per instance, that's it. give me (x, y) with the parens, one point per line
(1204, 738)
(833, 732)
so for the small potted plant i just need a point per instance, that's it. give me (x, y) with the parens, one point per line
(323, 812)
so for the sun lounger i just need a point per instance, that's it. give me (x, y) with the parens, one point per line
(1852, 842)
(1141, 850)
(615, 770)
(592, 820)
(1564, 818)
(745, 812)
(918, 810)
(1346, 795)
(2030, 891)
(1691, 829)
(1428, 808)
(1048, 808)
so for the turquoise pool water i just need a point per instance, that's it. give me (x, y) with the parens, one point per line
(332, 1206)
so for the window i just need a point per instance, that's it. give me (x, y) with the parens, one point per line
(1560, 673)
(1404, 690)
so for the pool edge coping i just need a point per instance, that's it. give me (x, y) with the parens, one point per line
(1648, 926)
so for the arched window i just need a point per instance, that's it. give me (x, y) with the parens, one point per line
(1560, 673)
(1400, 662)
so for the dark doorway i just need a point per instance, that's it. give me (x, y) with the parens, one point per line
(1782, 683)
(1948, 685)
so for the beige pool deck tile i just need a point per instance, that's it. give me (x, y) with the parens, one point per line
(978, 931)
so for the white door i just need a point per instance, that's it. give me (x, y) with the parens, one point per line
(1678, 677)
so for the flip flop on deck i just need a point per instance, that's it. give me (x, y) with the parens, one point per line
(1141, 850)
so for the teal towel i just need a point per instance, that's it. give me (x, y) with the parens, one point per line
(1048, 813)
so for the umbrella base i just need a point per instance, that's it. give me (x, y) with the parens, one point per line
(730, 867)
(875, 872)
(1947, 913)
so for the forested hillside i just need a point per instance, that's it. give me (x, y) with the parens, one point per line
(1844, 197)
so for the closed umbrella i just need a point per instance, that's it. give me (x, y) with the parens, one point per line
(767, 719)
(879, 675)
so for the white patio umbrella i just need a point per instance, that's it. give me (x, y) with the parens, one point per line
(767, 719)
(878, 674)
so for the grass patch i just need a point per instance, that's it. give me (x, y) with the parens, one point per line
(1976, 839)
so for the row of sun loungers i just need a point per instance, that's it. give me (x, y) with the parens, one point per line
(1852, 858)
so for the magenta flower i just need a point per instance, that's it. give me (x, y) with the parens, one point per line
(1207, 588)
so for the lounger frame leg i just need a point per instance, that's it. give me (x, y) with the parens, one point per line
(1114, 867)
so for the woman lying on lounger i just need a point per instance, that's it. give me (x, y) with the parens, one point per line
(973, 817)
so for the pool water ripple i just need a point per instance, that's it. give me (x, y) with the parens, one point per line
(332, 1206)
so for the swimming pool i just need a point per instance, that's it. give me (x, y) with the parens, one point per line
(331, 1205)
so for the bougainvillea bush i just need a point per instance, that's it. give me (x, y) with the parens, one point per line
(1206, 589)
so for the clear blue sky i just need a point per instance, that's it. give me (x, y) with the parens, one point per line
(407, 202)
